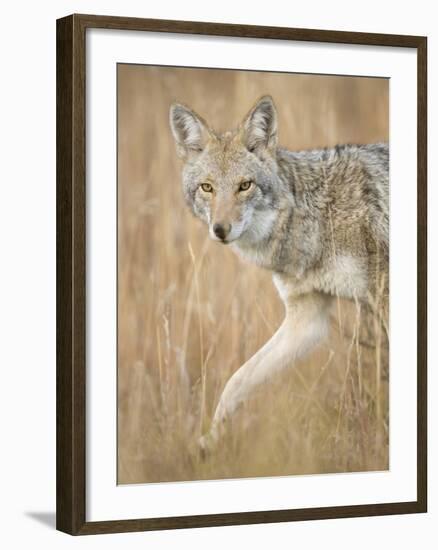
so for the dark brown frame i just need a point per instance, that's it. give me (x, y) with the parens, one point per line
(71, 266)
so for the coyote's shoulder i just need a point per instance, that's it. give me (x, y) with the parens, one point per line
(335, 236)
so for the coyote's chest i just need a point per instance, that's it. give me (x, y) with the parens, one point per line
(345, 276)
(257, 255)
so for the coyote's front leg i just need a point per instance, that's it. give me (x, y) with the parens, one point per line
(304, 326)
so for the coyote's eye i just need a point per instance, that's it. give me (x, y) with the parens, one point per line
(207, 187)
(245, 185)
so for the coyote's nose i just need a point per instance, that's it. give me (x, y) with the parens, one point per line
(222, 230)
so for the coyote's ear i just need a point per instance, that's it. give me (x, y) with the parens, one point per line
(190, 131)
(259, 128)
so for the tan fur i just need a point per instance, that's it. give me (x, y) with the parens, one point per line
(317, 219)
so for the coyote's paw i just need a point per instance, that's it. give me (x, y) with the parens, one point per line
(206, 445)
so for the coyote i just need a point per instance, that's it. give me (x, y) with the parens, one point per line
(317, 219)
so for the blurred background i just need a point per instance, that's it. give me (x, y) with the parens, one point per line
(184, 326)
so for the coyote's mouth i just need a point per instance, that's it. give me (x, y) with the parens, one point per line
(223, 241)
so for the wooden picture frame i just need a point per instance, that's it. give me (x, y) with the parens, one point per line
(71, 273)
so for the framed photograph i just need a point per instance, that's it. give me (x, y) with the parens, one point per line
(241, 274)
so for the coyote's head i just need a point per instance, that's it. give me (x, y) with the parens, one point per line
(230, 181)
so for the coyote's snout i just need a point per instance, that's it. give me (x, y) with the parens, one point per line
(317, 219)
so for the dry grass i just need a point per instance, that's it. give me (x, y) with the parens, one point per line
(190, 313)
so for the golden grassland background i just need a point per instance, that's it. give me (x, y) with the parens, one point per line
(190, 312)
